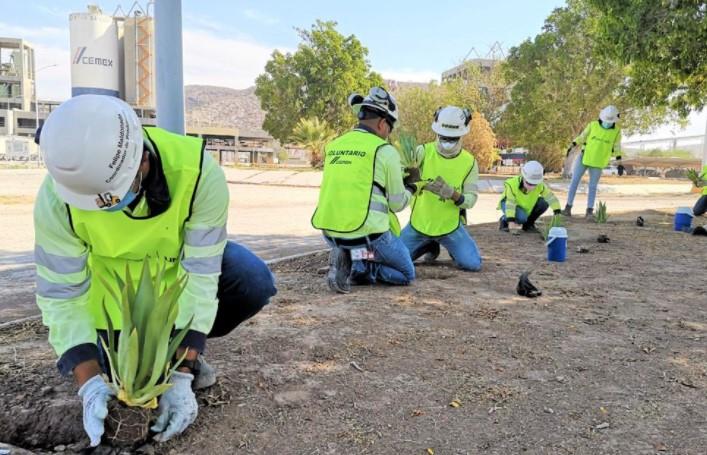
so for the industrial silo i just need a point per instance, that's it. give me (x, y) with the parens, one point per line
(95, 53)
(139, 49)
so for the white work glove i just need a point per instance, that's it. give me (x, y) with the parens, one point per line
(178, 408)
(95, 394)
(440, 187)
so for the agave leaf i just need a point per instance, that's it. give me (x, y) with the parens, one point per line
(177, 339)
(155, 336)
(147, 398)
(144, 300)
(115, 381)
(128, 365)
(109, 348)
(174, 367)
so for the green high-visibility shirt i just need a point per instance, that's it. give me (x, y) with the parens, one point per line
(703, 176)
(63, 258)
(515, 196)
(600, 144)
(387, 191)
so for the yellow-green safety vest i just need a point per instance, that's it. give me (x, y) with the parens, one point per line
(117, 239)
(524, 200)
(704, 179)
(431, 216)
(347, 183)
(599, 145)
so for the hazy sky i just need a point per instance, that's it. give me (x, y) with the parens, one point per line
(228, 42)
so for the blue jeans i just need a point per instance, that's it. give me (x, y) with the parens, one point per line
(244, 288)
(460, 245)
(392, 263)
(522, 216)
(577, 173)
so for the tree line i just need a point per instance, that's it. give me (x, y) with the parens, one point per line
(648, 57)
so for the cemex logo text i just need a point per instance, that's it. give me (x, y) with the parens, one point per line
(84, 60)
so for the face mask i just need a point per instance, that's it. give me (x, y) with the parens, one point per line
(606, 125)
(528, 186)
(127, 199)
(448, 148)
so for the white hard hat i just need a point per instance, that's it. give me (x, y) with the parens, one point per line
(609, 114)
(377, 100)
(532, 172)
(451, 121)
(92, 146)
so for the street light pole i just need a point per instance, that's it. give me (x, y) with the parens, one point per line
(36, 100)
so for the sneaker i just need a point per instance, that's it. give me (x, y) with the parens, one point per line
(589, 215)
(339, 270)
(503, 225)
(567, 211)
(432, 253)
(530, 228)
(206, 376)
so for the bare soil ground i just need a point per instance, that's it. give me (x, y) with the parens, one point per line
(611, 359)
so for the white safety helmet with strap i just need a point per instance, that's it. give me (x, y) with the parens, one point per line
(532, 172)
(610, 114)
(92, 146)
(378, 100)
(451, 121)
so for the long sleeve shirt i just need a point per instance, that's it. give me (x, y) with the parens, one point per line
(389, 189)
(64, 276)
(515, 196)
(470, 187)
(582, 139)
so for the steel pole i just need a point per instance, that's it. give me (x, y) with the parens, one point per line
(169, 67)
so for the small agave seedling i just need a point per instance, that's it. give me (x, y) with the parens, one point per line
(601, 215)
(694, 177)
(141, 363)
(555, 221)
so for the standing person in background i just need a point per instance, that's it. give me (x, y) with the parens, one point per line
(362, 184)
(439, 211)
(601, 140)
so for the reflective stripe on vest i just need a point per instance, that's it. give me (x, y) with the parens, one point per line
(526, 201)
(347, 183)
(433, 217)
(117, 240)
(599, 145)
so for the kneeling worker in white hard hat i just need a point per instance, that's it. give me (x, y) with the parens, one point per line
(525, 198)
(361, 187)
(600, 141)
(115, 194)
(439, 211)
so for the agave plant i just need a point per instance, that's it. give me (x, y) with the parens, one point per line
(601, 216)
(407, 146)
(140, 364)
(694, 177)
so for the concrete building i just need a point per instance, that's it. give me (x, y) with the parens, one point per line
(17, 87)
(460, 71)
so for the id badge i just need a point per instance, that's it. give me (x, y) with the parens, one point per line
(362, 254)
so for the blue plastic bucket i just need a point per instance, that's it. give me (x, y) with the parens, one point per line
(683, 219)
(557, 244)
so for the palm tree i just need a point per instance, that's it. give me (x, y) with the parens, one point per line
(313, 134)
